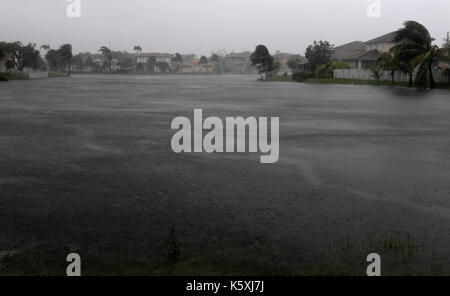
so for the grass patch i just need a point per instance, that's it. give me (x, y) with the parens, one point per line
(354, 81)
(401, 254)
(282, 78)
(16, 76)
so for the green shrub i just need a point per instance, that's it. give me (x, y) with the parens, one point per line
(301, 75)
(327, 70)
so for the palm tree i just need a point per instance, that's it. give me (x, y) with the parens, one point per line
(107, 56)
(415, 48)
(2, 50)
(388, 62)
(138, 49)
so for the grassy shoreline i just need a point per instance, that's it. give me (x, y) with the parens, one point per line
(347, 81)
(10, 76)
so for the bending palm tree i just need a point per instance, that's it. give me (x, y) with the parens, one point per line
(415, 48)
(388, 62)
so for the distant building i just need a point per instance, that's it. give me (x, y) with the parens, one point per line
(6, 58)
(363, 55)
(382, 44)
(194, 66)
(188, 57)
(142, 59)
(344, 52)
(238, 63)
(283, 58)
(366, 60)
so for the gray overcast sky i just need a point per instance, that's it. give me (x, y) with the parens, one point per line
(202, 26)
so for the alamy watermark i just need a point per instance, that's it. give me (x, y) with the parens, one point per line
(374, 8)
(74, 9)
(74, 268)
(222, 137)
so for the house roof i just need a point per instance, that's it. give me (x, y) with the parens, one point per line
(245, 55)
(282, 55)
(371, 55)
(386, 38)
(349, 49)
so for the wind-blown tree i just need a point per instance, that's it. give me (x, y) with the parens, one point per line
(89, 64)
(262, 59)
(137, 49)
(24, 55)
(65, 55)
(318, 53)
(45, 47)
(408, 69)
(151, 63)
(162, 66)
(2, 50)
(127, 64)
(388, 62)
(203, 60)
(446, 70)
(53, 60)
(415, 47)
(376, 73)
(214, 58)
(177, 58)
(78, 63)
(294, 62)
(107, 57)
(327, 70)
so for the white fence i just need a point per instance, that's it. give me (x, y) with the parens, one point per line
(366, 74)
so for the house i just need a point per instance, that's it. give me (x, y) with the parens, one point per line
(7, 58)
(194, 66)
(344, 52)
(283, 58)
(238, 63)
(363, 55)
(383, 43)
(142, 59)
(366, 60)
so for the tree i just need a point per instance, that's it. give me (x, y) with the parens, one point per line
(127, 64)
(262, 59)
(137, 49)
(90, 64)
(2, 50)
(214, 58)
(327, 70)
(203, 60)
(294, 62)
(78, 62)
(24, 55)
(388, 62)
(177, 58)
(65, 54)
(107, 57)
(151, 63)
(415, 48)
(376, 73)
(318, 53)
(163, 66)
(53, 60)
(301, 75)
